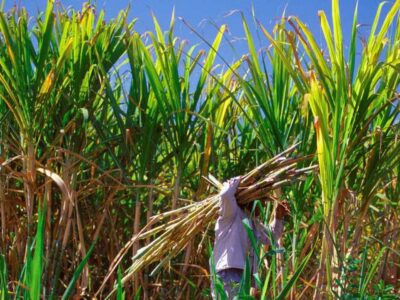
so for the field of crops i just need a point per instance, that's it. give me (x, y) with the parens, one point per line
(106, 133)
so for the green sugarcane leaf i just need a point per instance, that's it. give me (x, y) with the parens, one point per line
(35, 284)
(120, 291)
(371, 271)
(253, 240)
(77, 273)
(4, 295)
(292, 281)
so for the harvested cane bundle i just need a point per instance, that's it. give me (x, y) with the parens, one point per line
(173, 234)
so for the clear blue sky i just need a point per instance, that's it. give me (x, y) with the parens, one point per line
(204, 14)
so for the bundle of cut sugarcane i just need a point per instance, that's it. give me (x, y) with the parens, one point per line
(180, 226)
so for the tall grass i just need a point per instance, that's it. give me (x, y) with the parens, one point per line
(104, 127)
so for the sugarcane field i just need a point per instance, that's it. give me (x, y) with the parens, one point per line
(200, 149)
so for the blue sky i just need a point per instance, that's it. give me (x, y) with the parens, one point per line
(203, 15)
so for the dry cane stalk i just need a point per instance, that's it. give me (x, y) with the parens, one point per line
(2, 211)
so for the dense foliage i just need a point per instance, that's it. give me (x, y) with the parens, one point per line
(103, 127)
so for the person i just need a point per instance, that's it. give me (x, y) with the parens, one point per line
(232, 244)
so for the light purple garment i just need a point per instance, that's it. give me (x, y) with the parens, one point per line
(232, 244)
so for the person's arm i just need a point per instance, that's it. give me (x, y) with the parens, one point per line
(276, 226)
(228, 204)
